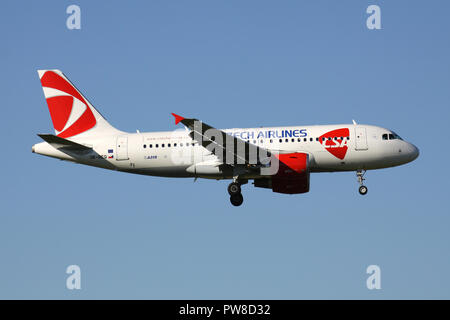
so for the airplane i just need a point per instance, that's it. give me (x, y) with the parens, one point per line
(276, 158)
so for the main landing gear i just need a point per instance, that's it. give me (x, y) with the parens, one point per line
(236, 198)
(360, 175)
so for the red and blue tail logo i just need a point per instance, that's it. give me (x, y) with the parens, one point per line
(70, 113)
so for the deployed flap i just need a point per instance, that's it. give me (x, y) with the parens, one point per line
(229, 149)
(59, 143)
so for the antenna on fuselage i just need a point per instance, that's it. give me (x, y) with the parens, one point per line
(354, 122)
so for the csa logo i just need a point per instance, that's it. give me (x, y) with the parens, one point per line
(335, 142)
(70, 113)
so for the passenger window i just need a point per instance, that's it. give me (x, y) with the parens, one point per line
(156, 145)
(287, 140)
(305, 139)
(162, 145)
(168, 145)
(293, 140)
(271, 140)
(281, 140)
(311, 139)
(149, 145)
(174, 144)
(317, 139)
(299, 140)
(145, 146)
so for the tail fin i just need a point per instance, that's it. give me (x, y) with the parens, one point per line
(71, 112)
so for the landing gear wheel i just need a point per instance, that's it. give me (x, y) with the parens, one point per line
(236, 200)
(234, 189)
(363, 190)
(360, 175)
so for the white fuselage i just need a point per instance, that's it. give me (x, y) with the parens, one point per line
(174, 154)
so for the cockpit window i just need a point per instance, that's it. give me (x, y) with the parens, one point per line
(391, 136)
(396, 136)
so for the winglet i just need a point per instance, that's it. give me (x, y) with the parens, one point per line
(177, 118)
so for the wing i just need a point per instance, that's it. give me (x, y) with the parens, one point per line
(227, 148)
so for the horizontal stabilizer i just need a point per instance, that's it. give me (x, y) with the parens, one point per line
(59, 143)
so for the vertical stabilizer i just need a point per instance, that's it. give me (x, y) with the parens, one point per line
(71, 113)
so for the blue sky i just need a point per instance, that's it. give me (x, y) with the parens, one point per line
(231, 64)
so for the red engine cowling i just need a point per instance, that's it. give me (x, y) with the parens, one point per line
(293, 174)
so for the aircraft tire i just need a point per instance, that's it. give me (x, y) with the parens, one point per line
(236, 200)
(363, 190)
(234, 188)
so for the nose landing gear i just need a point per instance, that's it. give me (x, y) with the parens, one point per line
(234, 189)
(360, 175)
(362, 190)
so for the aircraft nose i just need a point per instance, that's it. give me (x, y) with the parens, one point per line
(413, 151)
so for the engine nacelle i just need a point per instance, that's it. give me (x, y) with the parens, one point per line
(292, 175)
